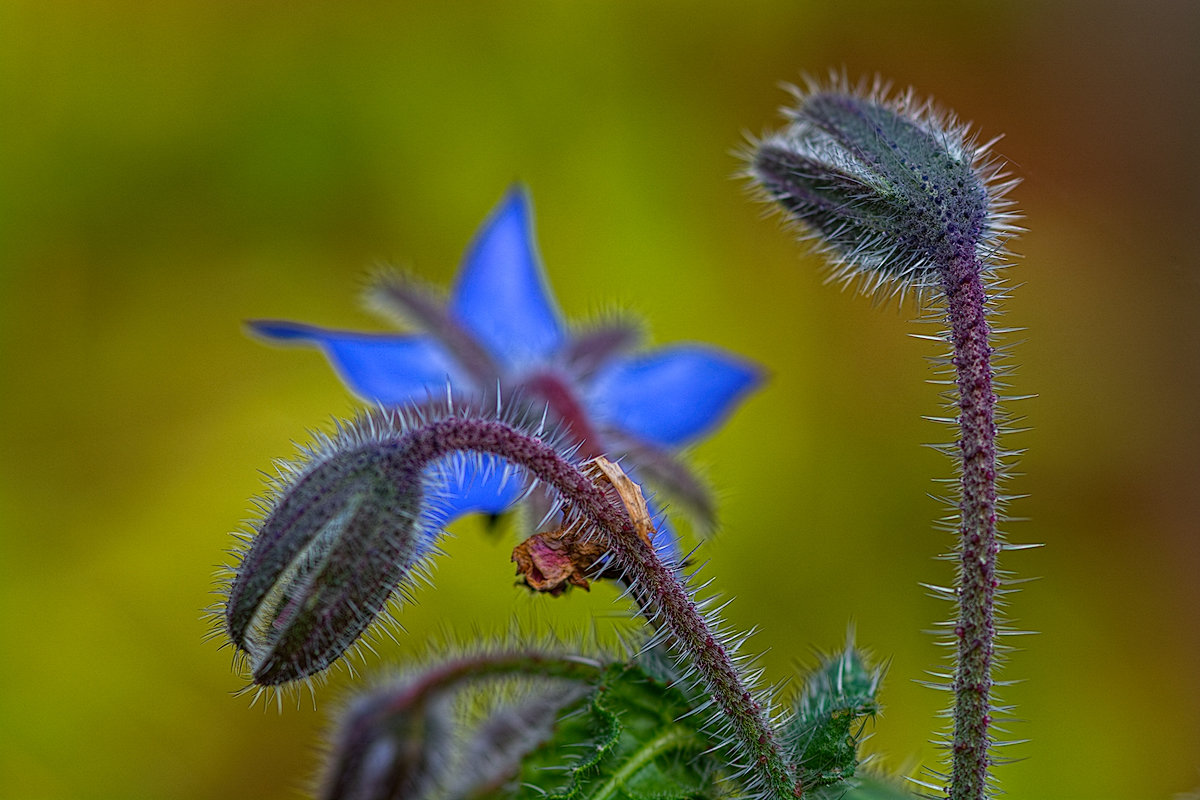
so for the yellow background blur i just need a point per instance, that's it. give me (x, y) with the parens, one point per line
(169, 170)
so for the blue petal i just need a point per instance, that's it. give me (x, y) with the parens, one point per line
(672, 395)
(501, 294)
(383, 368)
(475, 484)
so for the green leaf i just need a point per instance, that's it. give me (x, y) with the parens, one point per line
(625, 741)
(863, 788)
(824, 731)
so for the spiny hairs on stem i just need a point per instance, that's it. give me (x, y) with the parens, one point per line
(899, 195)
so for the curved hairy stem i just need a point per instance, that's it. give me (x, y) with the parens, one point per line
(654, 585)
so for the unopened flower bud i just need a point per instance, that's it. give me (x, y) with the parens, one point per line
(341, 536)
(889, 189)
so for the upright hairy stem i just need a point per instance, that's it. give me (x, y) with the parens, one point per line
(978, 581)
(900, 196)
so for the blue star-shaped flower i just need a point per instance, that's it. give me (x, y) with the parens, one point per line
(501, 328)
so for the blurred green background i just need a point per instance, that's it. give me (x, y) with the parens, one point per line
(170, 170)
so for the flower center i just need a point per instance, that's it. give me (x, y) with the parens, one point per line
(551, 388)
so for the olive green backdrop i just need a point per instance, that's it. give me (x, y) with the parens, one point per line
(169, 170)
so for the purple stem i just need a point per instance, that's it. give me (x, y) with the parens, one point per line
(976, 629)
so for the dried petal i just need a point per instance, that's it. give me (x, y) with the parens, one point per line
(553, 560)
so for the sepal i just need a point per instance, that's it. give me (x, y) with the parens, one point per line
(826, 724)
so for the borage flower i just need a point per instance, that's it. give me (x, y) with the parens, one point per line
(500, 331)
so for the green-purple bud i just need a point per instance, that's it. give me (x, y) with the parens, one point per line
(890, 189)
(343, 533)
(405, 739)
(352, 523)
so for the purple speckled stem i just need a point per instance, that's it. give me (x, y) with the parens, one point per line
(655, 586)
(976, 630)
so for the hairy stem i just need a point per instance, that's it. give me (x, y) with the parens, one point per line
(654, 585)
(978, 546)
(519, 662)
(395, 741)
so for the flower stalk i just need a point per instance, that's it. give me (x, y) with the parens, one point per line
(287, 567)
(653, 584)
(978, 581)
(900, 197)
